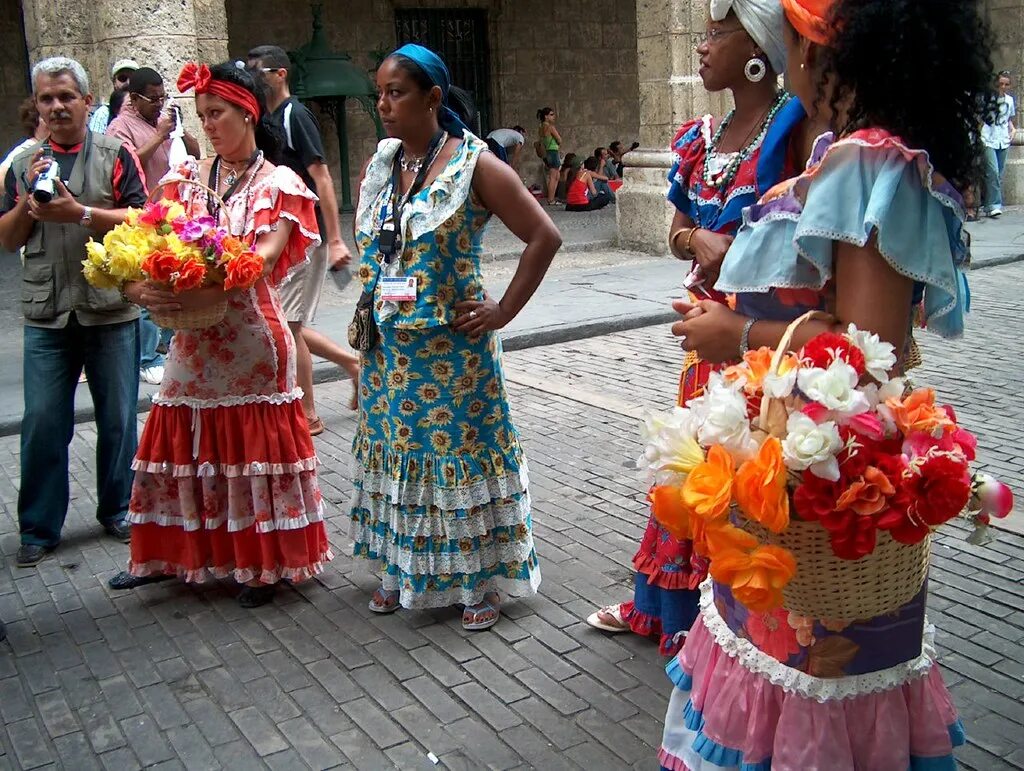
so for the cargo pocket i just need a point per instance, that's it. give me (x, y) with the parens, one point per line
(38, 298)
(104, 299)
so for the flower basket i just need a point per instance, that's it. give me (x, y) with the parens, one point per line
(814, 482)
(192, 319)
(827, 587)
(181, 253)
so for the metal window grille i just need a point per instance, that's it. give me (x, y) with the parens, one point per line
(459, 35)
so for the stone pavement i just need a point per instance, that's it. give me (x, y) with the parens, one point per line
(180, 677)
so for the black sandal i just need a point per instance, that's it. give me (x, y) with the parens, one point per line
(255, 596)
(125, 580)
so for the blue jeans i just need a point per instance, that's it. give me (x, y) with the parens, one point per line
(54, 359)
(995, 164)
(603, 187)
(150, 336)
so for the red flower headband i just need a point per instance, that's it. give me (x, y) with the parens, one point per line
(198, 76)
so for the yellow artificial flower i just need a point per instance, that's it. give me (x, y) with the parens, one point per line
(97, 255)
(97, 277)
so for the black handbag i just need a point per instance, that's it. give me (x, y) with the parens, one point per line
(362, 330)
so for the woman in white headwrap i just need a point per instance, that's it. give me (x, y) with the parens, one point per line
(722, 166)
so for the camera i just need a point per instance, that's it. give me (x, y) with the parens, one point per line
(44, 190)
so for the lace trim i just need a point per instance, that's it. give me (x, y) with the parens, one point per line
(506, 587)
(800, 683)
(486, 556)
(312, 236)
(240, 575)
(228, 401)
(231, 471)
(368, 510)
(234, 524)
(401, 492)
(446, 194)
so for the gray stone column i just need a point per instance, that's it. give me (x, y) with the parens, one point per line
(161, 35)
(671, 92)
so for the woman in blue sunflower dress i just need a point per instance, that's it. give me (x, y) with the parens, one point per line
(441, 502)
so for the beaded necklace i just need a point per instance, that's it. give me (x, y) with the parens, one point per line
(722, 176)
(255, 168)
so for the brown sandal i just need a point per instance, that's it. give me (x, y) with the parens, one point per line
(316, 426)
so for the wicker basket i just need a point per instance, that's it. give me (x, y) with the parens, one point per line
(191, 319)
(825, 586)
(194, 319)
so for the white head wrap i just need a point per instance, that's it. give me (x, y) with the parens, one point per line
(762, 19)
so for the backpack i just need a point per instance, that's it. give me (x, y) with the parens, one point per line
(538, 147)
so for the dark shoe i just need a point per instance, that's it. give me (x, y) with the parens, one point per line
(125, 580)
(254, 596)
(30, 555)
(119, 529)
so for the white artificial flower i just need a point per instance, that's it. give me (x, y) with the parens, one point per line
(810, 445)
(722, 418)
(780, 386)
(835, 389)
(671, 450)
(879, 356)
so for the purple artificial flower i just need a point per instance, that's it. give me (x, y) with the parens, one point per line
(196, 229)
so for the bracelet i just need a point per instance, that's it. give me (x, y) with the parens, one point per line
(689, 240)
(672, 242)
(745, 337)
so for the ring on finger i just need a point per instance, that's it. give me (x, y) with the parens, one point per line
(472, 314)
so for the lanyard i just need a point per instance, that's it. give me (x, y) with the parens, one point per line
(388, 241)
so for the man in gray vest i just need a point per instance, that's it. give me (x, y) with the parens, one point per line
(70, 325)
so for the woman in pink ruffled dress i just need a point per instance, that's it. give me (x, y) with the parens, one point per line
(872, 233)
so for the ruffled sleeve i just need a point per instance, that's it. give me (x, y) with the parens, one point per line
(869, 183)
(284, 195)
(688, 146)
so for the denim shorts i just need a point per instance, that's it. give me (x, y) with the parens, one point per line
(551, 159)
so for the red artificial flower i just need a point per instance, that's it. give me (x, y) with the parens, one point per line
(822, 350)
(191, 274)
(940, 487)
(243, 271)
(815, 497)
(154, 213)
(159, 266)
(852, 535)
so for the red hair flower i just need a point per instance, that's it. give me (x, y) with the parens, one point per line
(822, 350)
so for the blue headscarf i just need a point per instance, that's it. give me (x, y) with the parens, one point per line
(437, 71)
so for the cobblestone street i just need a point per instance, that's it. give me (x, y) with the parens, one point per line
(171, 676)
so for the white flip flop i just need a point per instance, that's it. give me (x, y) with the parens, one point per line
(384, 609)
(482, 607)
(615, 611)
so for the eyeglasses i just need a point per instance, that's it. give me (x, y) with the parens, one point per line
(271, 69)
(153, 100)
(714, 34)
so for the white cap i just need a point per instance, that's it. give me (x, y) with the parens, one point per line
(123, 64)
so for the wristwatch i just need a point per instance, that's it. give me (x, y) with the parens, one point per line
(86, 221)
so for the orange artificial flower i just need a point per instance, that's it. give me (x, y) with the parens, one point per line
(868, 495)
(758, 578)
(243, 271)
(159, 265)
(918, 413)
(722, 537)
(191, 274)
(761, 487)
(232, 246)
(670, 511)
(708, 488)
(756, 366)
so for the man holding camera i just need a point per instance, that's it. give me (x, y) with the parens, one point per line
(74, 187)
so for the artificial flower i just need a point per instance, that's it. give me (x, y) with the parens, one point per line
(756, 578)
(994, 498)
(190, 275)
(671, 449)
(760, 487)
(940, 486)
(95, 254)
(812, 446)
(879, 356)
(722, 417)
(867, 424)
(97, 277)
(243, 271)
(867, 495)
(720, 536)
(159, 266)
(851, 535)
(918, 413)
(708, 489)
(815, 498)
(835, 389)
(827, 348)
(756, 374)
(194, 229)
(670, 511)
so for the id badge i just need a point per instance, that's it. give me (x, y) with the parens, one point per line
(398, 289)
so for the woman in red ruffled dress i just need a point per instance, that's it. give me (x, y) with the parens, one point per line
(225, 482)
(720, 168)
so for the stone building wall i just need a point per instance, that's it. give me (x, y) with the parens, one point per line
(13, 71)
(577, 56)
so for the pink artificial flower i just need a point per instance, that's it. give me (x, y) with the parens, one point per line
(996, 498)
(816, 411)
(867, 424)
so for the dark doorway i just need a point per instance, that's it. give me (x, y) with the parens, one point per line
(459, 35)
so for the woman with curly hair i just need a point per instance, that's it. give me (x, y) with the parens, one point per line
(872, 233)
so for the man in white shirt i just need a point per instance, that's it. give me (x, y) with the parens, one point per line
(120, 73)
(997, 138)
(512, 141)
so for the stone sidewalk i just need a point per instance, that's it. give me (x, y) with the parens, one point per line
(179, 677)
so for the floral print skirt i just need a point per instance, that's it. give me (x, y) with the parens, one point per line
(441, 502)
